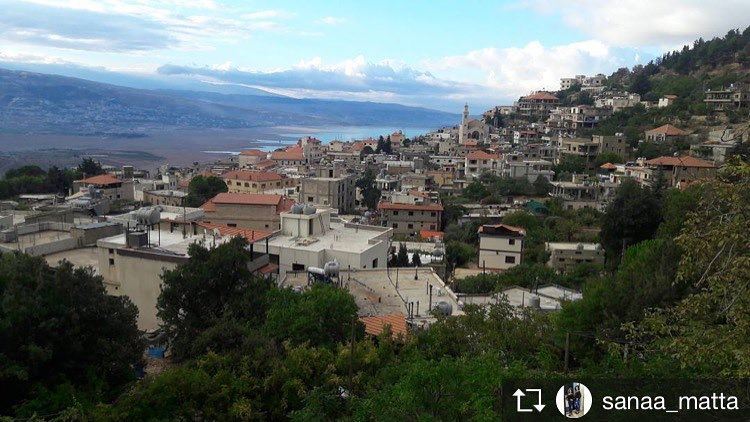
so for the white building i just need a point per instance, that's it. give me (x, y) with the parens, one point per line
(311, 237)
(500, 246)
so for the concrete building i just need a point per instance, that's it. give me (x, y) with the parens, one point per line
(665, 133)
(478, 162)
(331, 188)
(169, 197)
(407, 219)
(247, 210)
(500, 246)
(251, 157)
(244, 181)
(131, 263)
(733, 97)
(588, 149)
(564, 255)
(110, 187)
(311, 237)
(681, 171)
(538, 104)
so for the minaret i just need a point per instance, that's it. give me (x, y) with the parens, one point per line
(462, 128)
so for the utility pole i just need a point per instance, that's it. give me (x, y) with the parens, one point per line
(351, 359)
(567, 350)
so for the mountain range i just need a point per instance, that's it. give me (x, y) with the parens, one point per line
(33, 102)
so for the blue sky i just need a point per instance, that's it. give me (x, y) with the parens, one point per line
(437, 54)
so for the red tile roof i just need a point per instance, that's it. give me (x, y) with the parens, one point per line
(375, 325)
(101, 180)
(541, 95)
(249, 234)
(254, 153)
(608, 166)
(481, 155)
(685, 161)
(409, 207)
(282, 203)
(290, 154)
(667, 130)
(430, 234)
(265, 165)
(502, 229)
(252, 176)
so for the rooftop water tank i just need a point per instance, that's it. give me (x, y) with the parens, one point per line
(443, 308)
(148, 216)
(332, 268)
(309, 210)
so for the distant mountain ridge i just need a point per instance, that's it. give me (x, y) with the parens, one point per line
(44, 103)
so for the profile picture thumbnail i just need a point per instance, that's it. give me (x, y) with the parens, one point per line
(573, 400)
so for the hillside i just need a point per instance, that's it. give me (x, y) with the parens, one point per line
(43, 103)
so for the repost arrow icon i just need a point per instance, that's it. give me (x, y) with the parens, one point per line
(518, 394)
(539, 406)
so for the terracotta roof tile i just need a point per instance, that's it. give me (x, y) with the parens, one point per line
(102, 179)
(254, 153)
(667, 130)
(685, 161)
(252, 176)
(249, 234)
(375, 325)
(481, 155)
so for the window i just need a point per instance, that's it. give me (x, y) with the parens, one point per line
(111, 251)
(310, 199)
(111, 261)
(432, 227)
(511, 241)
(411, 212)
(232, 224)
(247, 185)
(395, 225)
(411, 226)
(395, 212)
(298, 267)
(510, 259)
(432, 214)
(375, 263)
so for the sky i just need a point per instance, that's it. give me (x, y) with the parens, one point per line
(431, 53)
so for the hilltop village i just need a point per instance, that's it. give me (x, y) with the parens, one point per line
(487, 244)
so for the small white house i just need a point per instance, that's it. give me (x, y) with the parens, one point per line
(500, 246)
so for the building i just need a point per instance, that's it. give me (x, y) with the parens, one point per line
(734, 97)
(109, 186)
(565, 255)
(666, 101)
(245, 181)
(311, 237)
(247, 210)
(169, 197)
(251, 157)
(618, 101)
(291, 156)
(571, 119)
(478, 162)
(500, 246)
(582, 192)
(538, 104)
(472, 129)
(131, 263)
(588, 149)
(665, 133)
(408, 219)
(681, 171)
(331, 188)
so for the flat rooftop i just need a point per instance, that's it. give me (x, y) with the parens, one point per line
(163, 241)
(387, 291)
(339, 236)
(81, 257)
(571, 246)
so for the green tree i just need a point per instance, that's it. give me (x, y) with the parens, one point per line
(63, 339)
(633, 215)
(416, 260)
(542, 186)
(213, 288)
(88, 167)
(707, 331)
(402, 257)
(202, 188)
(370, 193)
(320, 316)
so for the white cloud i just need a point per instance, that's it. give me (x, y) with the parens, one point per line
(331, 20)
(652, 23)
(511, 72)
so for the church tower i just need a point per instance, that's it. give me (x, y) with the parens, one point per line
(464, 121)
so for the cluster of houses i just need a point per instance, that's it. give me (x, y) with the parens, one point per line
(303, 212)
